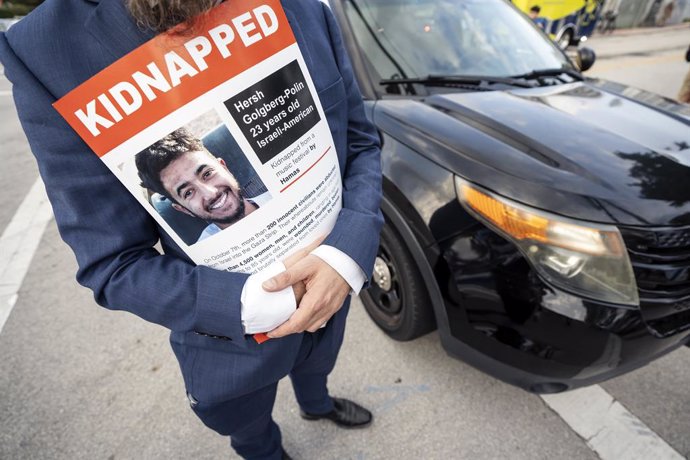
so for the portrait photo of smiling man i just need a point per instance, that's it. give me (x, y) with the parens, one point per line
(180, 168)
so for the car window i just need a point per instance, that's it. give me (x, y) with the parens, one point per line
(417, 38)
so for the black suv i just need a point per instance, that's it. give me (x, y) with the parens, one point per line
(540, 219)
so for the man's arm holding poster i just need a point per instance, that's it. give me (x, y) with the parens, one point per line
(112, 236)
(359, 222)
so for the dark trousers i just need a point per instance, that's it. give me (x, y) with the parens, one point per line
(247, 419)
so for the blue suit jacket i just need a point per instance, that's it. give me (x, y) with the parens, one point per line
(65, 42)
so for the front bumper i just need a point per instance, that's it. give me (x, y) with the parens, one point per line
(506, 321)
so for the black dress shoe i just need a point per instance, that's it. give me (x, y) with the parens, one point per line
(345, 414)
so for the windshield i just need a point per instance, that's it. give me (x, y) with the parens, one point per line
(418, 38)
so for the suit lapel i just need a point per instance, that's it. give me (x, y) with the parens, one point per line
(112, 26)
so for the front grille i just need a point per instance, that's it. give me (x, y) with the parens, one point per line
(661, 261)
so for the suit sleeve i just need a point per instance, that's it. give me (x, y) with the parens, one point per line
(356, 232)
(112, 236)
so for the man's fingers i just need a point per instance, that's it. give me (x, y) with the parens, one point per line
(300, 271)
(282, 280)
(296, 257)
(300, 321)
(297, 323)
(315, 327)
(299, 290)
(319, 321)
(325, 293)
(316, 243)
(281, 331)
(304, 252)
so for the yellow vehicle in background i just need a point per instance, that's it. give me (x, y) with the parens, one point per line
(568, 22)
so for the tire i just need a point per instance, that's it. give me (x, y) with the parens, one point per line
(566, 39)
(397, 299)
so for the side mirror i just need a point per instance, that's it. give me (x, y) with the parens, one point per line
(585, 58)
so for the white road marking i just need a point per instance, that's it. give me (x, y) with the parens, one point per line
(18, 245)
(609, 429)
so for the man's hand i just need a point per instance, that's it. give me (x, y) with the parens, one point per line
(298, 288)
(325, 293)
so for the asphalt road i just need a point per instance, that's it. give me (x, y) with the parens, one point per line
(81, 382)
(652, 59)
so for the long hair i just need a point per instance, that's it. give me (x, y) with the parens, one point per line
(161, 15)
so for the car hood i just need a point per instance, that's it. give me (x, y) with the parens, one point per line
(588, 150)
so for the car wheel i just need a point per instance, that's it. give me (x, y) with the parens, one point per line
(397, 299)
(566, 39)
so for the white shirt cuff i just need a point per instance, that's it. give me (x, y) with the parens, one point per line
(264, 311)
(344, 265)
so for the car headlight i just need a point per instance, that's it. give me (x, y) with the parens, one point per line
(583, 258)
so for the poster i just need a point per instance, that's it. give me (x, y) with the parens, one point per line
(218, 132)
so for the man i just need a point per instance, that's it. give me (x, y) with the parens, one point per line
(180, 168)
(666, 13)
(534, 16)
(684, 93)
(231, 380)
(608, 21)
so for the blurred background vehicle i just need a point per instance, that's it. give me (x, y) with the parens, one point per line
(567, 21)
